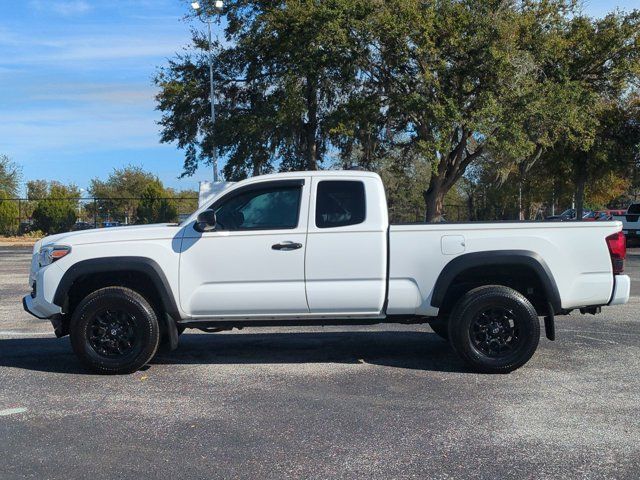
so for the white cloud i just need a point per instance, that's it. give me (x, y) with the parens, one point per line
(92, 94)
(78, 129)
(66, 8)
(79, 116)
(81, 46)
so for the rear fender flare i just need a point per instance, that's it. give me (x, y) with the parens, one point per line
(524, 258)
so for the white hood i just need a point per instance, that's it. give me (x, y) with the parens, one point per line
(113, 234)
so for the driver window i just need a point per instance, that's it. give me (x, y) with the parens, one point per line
(274, 208)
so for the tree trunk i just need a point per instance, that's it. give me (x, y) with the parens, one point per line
(520, 209)
(471, 208)
(434, 200)
(311, 127)
(449, 170)
(522, 169)
(580, 183)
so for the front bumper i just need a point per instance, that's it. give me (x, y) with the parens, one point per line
(43, 282)
(621, 290)
(59, 327)
(39, 308)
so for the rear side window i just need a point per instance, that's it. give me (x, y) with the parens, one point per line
(340, 203)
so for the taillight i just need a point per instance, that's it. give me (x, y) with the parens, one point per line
(617, 244)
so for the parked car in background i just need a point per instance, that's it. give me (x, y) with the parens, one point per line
(591, 216)
(110, 224)
(25, 227)
(630, 220)
(598, 216)
(570, 214)
(619, 211)
(588, 216)
(82, 226)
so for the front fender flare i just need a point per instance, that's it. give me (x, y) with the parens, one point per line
(143, 265)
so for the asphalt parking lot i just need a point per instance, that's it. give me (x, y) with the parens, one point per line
(376, 402)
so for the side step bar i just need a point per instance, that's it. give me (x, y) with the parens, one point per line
(227, 324)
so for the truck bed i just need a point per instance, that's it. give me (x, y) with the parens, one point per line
(575, 253)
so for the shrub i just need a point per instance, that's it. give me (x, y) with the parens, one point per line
(8, 215)
(56, 213)
(154, 207)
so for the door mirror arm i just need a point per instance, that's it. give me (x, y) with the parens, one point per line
(206, 221)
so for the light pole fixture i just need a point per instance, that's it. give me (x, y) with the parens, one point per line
(208, 18)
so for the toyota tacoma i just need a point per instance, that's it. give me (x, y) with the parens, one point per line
(316, 248)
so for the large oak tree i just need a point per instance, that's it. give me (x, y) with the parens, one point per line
(368, 81)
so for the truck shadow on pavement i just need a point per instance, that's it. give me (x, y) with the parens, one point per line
(398, 349)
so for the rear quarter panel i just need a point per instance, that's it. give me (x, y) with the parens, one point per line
(575, 252)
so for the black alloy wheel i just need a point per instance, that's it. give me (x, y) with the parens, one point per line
(112, 333)
(114, 330)
(494, 329)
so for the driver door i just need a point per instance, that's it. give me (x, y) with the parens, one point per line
(252, 264)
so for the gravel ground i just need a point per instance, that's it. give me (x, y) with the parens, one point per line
(376, 402)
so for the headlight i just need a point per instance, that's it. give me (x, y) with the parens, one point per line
(51, 253)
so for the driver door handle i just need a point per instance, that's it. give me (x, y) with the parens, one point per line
(286, 246)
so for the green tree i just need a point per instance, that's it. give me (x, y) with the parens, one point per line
(282, 77)
(10, 175)
(451, 83)
(57, 212)
(119, 194)
(185, 201)
(37, 189)
(8, 215)
(602, 63)
(467, 79)
(155, 207)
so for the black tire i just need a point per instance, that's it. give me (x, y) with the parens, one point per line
(114, 330)
(440, 328)
(494, 329)
(181, 329)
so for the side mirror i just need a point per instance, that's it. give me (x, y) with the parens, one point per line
(206, 221)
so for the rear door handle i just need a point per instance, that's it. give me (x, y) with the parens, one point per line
(286, 246)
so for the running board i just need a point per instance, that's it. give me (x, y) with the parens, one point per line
(226, 324)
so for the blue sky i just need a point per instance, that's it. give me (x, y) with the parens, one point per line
(76, 90)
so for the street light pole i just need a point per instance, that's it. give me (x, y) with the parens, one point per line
(214, 153)
(218, 5)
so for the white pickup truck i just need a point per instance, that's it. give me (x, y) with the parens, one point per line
(316, 248)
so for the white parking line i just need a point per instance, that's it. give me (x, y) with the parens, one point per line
(10, 333)
(11, 411)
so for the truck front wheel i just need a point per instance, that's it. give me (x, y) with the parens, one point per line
(495, 329)
(114, 330)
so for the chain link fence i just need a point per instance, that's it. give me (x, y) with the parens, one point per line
(17, 214)
(407, 214)
(21, 216)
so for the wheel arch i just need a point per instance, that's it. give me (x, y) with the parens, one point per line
(492, 261)
(112, 270)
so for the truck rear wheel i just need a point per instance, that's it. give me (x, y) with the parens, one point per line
(114, 330)
(495, 329)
